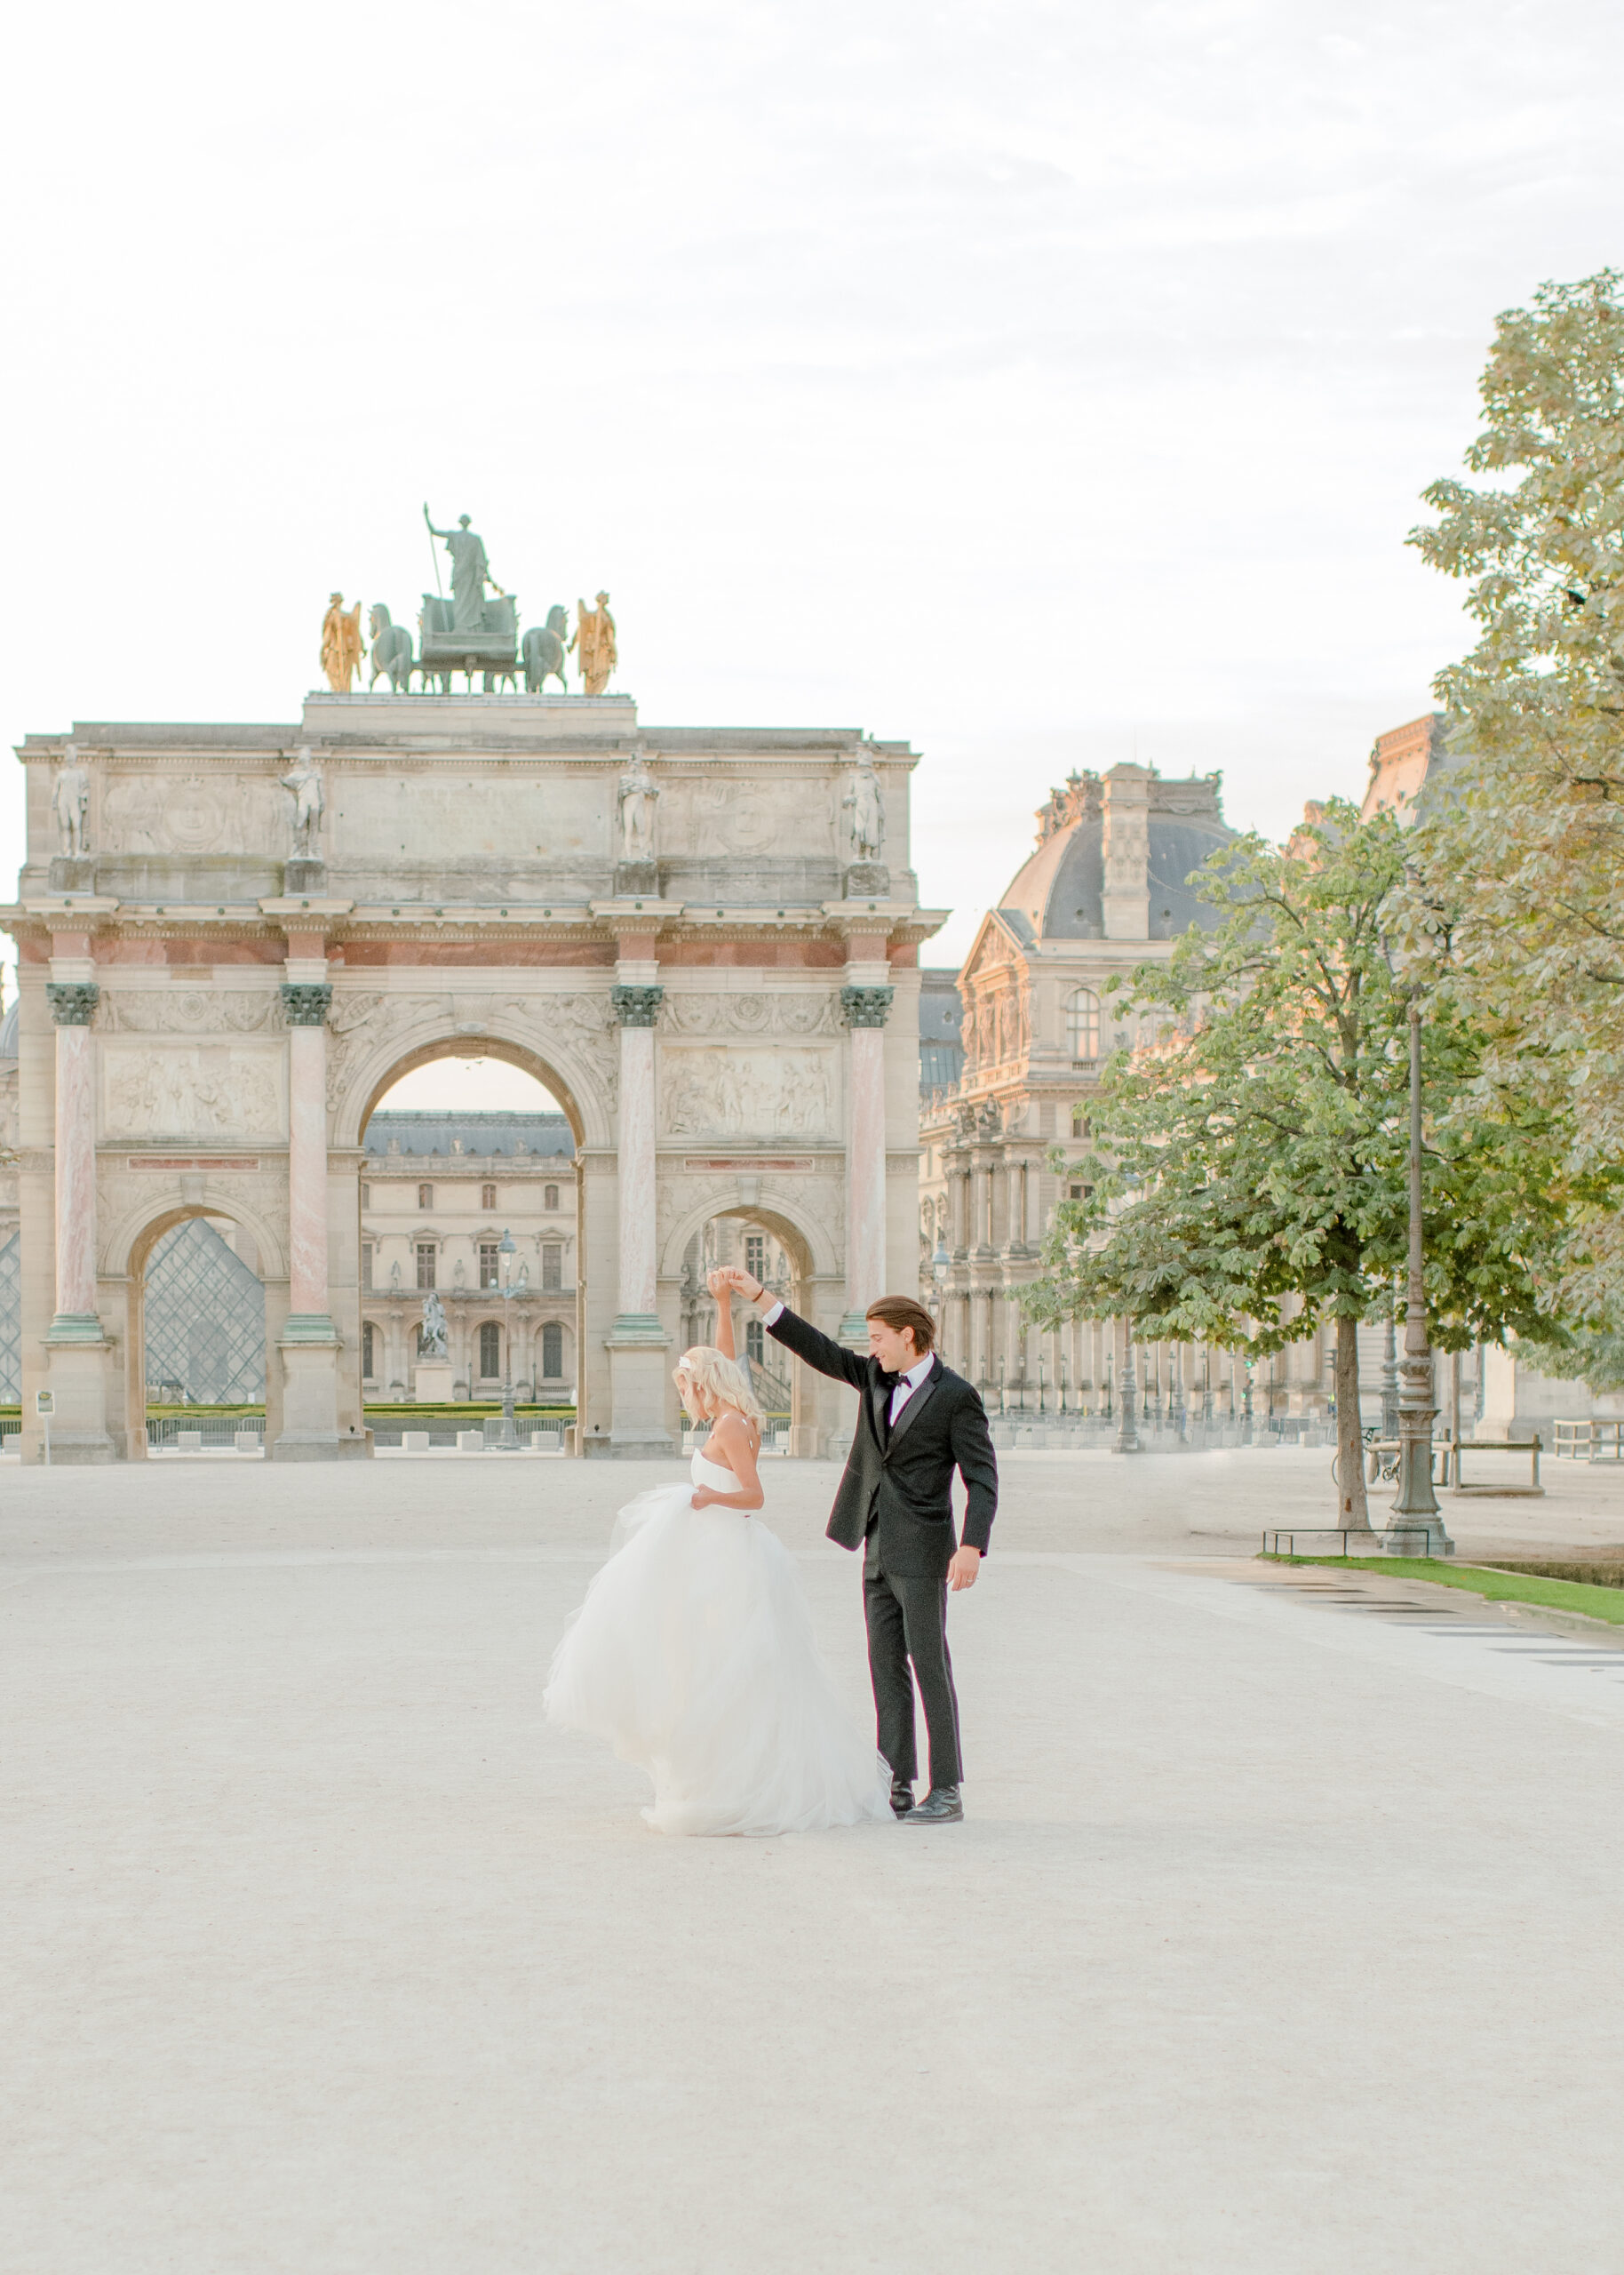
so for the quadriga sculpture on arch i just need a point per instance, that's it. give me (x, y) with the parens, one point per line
(391, 651)
(543, 650)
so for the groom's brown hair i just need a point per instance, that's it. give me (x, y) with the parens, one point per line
(898, 1311)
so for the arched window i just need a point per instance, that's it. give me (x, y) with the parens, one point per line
(426, 1196)
(1083, 1025)
(368, 1351)
(549, 1199)
(553, 1350)
(488, 1196)
(490, 1350)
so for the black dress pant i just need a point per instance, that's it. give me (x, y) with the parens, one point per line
(907, 1621)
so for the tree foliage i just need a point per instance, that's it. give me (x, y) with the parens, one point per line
(1525, 860)
(1250, 1169)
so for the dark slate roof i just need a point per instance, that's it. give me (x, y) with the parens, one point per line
(481, 1135)
(1057, 894)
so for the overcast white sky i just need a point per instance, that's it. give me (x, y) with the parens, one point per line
(1035, 382)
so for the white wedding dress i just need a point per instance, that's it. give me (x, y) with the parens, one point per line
(693, 1655)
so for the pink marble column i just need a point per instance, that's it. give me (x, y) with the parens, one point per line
(306, 1004)
(866, 1009)
(72, 1005)
(636, 1008)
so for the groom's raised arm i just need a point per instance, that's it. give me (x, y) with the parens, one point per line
(819, 1351)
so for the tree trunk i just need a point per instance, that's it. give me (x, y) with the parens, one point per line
(1353, 1514)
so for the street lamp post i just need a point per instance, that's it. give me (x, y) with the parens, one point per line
(1127, 1436)
(1415, 1511)
(508, 1249)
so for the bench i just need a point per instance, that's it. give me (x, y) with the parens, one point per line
(1596, 1440)
(1532, 1447)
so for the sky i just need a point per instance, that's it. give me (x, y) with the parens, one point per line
(1044, 385)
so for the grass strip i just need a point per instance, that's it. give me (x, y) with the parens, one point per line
(1477, 1579)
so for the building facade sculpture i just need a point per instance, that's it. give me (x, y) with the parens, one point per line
(309, 801)
(70, 799)
(207, 1022)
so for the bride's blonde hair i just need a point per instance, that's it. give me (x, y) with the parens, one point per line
(722, 1380)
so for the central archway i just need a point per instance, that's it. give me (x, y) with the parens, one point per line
(448, 1193)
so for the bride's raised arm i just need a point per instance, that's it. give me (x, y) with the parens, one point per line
(718, 1284)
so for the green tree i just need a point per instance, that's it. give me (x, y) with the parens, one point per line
(1250, 1167)
(1525, 854)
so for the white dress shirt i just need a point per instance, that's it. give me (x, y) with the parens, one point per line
(907, 1385)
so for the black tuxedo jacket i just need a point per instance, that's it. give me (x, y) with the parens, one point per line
(902, 1479)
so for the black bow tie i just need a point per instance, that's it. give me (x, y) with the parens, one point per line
(889, 1382)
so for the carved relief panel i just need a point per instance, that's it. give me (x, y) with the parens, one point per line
(206, 1090)
(751, 1014)
(195, 813)
(701, 817)
(732, 1093)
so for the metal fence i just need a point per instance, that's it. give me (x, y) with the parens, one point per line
(179, 1433)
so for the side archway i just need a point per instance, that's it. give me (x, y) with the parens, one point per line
(126, 1257)
(805, 1248)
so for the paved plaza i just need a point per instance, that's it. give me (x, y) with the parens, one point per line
(1282, 1933)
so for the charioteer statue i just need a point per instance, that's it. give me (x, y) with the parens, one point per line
(468, 633)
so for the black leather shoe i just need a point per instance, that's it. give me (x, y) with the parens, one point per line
(901, 1797)
(940, 1806)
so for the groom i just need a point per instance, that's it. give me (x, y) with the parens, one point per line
(917, 1422)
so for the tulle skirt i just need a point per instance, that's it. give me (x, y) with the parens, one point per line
(693, 1656)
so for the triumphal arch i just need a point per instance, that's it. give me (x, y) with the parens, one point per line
(232, 941)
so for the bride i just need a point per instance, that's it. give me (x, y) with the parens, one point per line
(693, 1653)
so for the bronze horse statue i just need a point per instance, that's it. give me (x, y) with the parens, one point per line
(391, 651)
(542, 649)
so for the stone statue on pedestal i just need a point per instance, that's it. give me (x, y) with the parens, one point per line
(863, 805)
(435, 1345)
(70, 799)
(309, 802)
(638, 792)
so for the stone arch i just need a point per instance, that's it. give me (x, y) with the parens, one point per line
(132, 1241)
(805, 1235)
(583, 1090)
(124, 1256)
(806, 1240)
(584, 1094)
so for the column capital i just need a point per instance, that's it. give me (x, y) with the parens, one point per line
(306, 1003)
(865, 1007)
(635, 1006)
(73, 1001)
